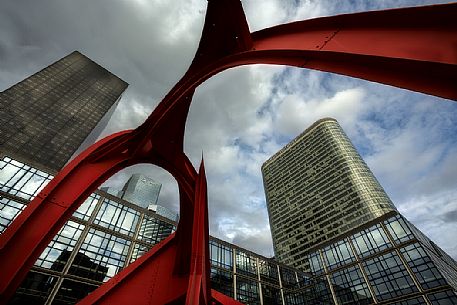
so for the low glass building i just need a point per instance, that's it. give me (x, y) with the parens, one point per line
(385, 262)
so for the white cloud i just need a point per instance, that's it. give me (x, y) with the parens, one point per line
(295, 114)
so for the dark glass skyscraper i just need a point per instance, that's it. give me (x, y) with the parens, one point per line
(141, 190)
(46, 117)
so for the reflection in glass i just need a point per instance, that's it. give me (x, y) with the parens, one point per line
(338, 254)
(370, 241)
(20, 179)
(9, 210)
(247, 291)
(65, 240)
(106, 250)
(422, 266)
(398, 229)
(388, 276)
(350, 286)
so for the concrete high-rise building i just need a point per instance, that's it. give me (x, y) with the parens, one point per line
(318, 188)
(47, 116)
(329, 216)
(141, 190)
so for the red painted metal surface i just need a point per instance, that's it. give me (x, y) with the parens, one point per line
(412, 48)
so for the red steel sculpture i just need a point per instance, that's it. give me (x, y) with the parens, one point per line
(413, 48)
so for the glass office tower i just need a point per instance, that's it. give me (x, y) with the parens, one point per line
(46, 117)
(141, 190)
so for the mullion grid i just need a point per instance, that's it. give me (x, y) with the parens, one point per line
(247, 291)
(423, 267)
(117, 217)
(106, 250)
(19, 179)
(350, 286)
(56, 254)
(388, 276)
(9, 210)
(370, 241)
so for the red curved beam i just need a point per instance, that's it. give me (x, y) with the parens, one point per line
(413, 48)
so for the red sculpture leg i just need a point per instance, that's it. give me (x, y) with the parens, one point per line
(27, 237)
(413, 48)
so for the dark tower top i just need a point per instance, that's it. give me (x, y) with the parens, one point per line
(46, 117)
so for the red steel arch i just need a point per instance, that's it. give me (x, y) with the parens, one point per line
(413, 48)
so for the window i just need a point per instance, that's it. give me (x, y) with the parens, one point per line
(422, 266)
(9, 210)
(443, 298)
(338, 254)
(398, 228)
(117, 217)
(57, 253)
(220, 255)
(247, 291)
(245, 263)
(268, 271)
(20, 179)
(315, 262)
(153, 230)
(388, 276)
(222, 281)
(350, 286)
(104, 251)
(87, 207)
(370, 241)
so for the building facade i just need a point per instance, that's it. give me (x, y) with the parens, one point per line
(47, 116)
(318, 188)
(329, 216)
(107, 233)
(386, 262)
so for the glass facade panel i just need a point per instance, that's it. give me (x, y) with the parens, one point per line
(388, 276)
(105, 250)
(268, 271)
(70, 292)
(315, 263)
(398, 229)
(303, 279)
(443, 298)
(220, 255)
(9, 210)
(422, 266)
(247, 291)
(222, 281)
(338, 254)
(288, 277)
(87, 207)
(413, 301)
(271, 295)
(21, 180)
(153, 230)
(57, 252)
(245, 263)
(139, 250)
(35, 289)
(370, 241)
(350, 286)
(117, 217)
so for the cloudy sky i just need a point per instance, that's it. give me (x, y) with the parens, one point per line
(242, 116)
